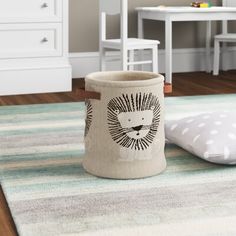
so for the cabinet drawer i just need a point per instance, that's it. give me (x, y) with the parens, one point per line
(30, 10)
(30, 40)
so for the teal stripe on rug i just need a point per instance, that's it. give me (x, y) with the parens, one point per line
(36, 131)
(50, 108)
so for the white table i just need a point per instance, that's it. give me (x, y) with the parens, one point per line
(170, 14)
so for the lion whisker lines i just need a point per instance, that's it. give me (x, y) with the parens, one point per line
(146, 127)
(129, 130)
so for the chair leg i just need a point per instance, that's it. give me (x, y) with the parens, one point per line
(141, 58)
(131, 59)
(102, 59)
(155, 59)
(124, 60)
(216, 57)
(224, 56)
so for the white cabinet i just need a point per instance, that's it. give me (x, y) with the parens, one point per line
(34, 46)
(31, 40)
(31, 10)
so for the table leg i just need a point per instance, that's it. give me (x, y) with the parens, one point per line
(208, 47)
(224, 47)
(225, 56)
(140, 25)
(168, 50)
(141, 36)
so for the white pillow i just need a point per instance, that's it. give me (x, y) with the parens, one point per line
(211, 136)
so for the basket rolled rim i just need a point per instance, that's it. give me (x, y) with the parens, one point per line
(124, 78)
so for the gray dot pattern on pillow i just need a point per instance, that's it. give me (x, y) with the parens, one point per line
(211, 136)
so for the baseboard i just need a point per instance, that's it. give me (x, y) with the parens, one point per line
(184, 60)
(30, 81)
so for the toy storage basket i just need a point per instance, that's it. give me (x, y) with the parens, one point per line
(124, 133)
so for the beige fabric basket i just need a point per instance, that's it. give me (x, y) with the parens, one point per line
(124, 134)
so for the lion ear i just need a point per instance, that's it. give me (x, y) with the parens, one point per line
(152, 108)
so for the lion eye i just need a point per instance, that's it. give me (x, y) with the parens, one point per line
(142, 118)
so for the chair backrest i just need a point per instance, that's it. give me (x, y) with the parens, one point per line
(114, 7)
(227, 3)
(110, 7)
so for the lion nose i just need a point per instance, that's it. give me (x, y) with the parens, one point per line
(137, 128)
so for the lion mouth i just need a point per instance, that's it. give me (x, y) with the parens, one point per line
(137, 129)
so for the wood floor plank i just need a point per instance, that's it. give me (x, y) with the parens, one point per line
(198, 83)
(7, 227)
(184, 84)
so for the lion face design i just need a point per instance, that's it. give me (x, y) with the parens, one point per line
(136, 124)
(133, 120)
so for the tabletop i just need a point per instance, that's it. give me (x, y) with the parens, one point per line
(185, 9)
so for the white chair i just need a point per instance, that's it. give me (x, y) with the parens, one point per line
(224, 38)
(124, 44)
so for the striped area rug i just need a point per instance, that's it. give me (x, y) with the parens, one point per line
(49, 193)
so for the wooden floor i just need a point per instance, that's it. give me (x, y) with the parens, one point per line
(183, 84)
(7, 227)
